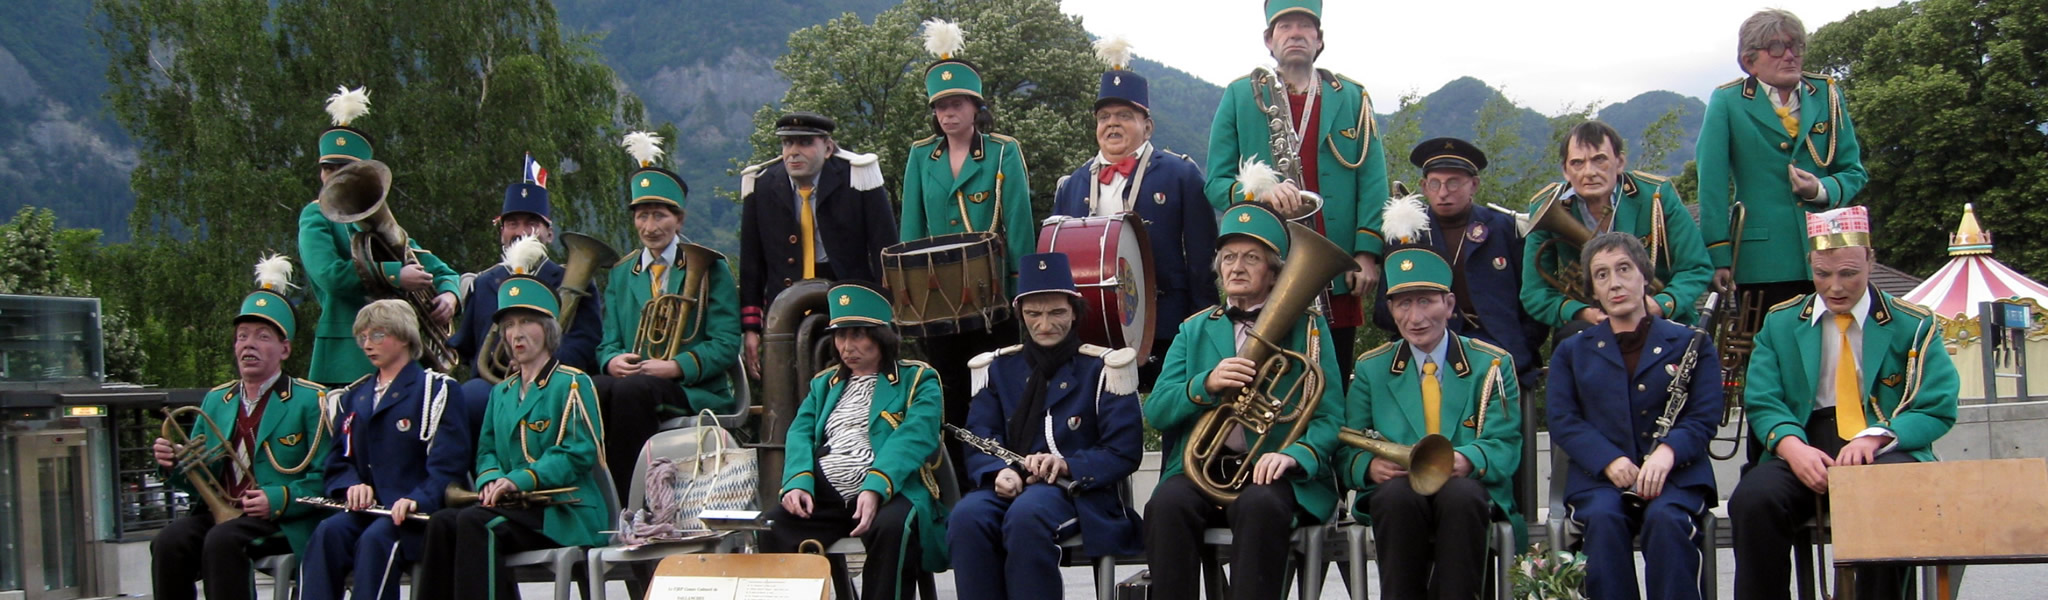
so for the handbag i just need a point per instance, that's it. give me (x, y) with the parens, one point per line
(719, 475)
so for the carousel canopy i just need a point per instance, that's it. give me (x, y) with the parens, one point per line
(1973, 276)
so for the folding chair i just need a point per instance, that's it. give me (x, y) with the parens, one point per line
(283, 570)
(742, 401)
(1308, 543)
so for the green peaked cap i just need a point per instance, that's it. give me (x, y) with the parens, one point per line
(523, 291)
(1255, 221)
(343, 144)
(1416, 270)
(269, 306)
(1276, 8)
(858, 305)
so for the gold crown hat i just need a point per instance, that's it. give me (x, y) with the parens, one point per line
(1839, 228)
(267, 304)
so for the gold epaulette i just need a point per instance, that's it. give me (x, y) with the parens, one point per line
(1792, 303)
(1003, 138)
(629, 257)
(827, 372)
(1381, 349)
(569, 369)
(1908, 307)
(224, 386)
(1821, 76)
(1496, 351)
(1214, 311)
(929, 140)
(1548, 193)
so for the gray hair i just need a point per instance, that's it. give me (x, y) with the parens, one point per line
(1629, 246)
(396, 318)
(1760, 28)
(551, 329)
(1274, 262)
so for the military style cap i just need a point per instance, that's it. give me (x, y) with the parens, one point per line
(522, 291)
(1838, 228)
(267, 304)
(1417, 270)
(1119, 84)
(1254, 221)
(858, 304)
(342, 144)
(1448, 153)
(652, 184)
(950, 76)
(1044, 273)
(1277, 8)
(804, 123)
(526, 198)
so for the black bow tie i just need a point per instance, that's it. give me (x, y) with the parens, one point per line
(1241, 316)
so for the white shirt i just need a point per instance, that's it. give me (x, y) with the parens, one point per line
(1435, 355)
(1109, 197)
(251, 397)
(1830, 351)
(668, 257)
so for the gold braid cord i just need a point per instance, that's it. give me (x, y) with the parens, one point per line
(575, 406)
(1486, 388)
(1834, 128)
(1365, 122)
(319, 434)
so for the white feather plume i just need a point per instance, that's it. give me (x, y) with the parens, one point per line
(274, 273)
(346, 104)
(1256, 178)
(524, 256)
(943, 38)
(1404, 218)
(644, 146)
(1114, 50)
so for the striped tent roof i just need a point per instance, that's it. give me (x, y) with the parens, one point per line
(1972, 276)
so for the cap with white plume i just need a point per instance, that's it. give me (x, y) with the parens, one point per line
(341, 143)
(950, 76)
(268, 304)
(652, 183)
(1255, 178)
(1405, 219)
(524, 256)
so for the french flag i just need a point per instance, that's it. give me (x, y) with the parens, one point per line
(534, 174)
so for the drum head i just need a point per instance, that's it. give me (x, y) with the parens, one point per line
(1112, 262)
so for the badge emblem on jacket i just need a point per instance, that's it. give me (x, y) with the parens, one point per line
(404, 425)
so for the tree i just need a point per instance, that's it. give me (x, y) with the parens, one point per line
(1949, 99)
(38, 259)
(223, 99)
(1399, 133)
(1660, 139)
(1038, 70)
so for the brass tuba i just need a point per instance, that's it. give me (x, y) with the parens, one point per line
(1429, 462)
(586, 256)
(195, 461)
(794, 346)
(1264, 406)
(1566, 231)
(668, 322)
(356, 194)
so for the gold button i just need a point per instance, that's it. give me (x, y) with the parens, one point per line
(1784, 145)
(1639, 387)
(792, 239)
(954, 222)
(786, 282)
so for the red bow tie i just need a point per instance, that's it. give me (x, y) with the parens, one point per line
(1122, 167)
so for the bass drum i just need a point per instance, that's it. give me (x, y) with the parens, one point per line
(1112, 262)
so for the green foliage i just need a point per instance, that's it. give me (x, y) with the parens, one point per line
(1038, 69)
(224, 99)
(1660, 140)
(1399, 133)
(38, 259)
(1949, 99)
(1541, 574)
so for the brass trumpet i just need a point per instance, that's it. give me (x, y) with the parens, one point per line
(456, 495)
(1263, 406)
(356, 194)
(195, 459)
(1429, 462)
(669, 322)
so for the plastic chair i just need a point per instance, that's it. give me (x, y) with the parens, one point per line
(1308, 543)
(742, 405)
(1104, 566)
(673, 444)
(283, 570)
(562, 562)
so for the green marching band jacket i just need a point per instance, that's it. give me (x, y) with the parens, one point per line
(904, 430)
(1481, 413)
(1743, 147)
(1179, 398)
(1351, 168)
(290, 454)
(1910, 388)
(550, 439)
(704, 361)
(1679, 258)
(992, 179)
(324, 248)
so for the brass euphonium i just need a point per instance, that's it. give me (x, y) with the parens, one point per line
(456, 495)
(586, 256)
(195, 461)
(1311, 263)
(356, 194)
(668, 322)
(1429, 462)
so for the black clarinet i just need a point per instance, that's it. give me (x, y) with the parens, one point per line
(1013, 459)
(1680, 391)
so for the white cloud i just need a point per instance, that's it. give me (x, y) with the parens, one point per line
(1545, 55)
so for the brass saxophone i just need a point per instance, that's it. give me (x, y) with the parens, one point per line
(1269, 93)
(1265, 406)
(669, 322)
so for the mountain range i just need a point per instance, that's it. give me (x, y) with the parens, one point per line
(60, 147)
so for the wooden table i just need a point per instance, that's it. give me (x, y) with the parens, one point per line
(1940, 514)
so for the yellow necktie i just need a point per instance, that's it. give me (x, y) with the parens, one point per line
(1791, 120)
(805, 226)
(1432, 400)
(654, 281)
(1848, 391)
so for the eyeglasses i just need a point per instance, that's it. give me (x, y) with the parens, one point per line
(374, 337)
(1448, 185)
(1777, 48)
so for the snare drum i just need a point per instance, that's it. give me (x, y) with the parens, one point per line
(947, 284)
(1112, 262)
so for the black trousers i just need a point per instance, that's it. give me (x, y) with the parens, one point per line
(466, 549)
(1261, 524)
(1768, 508)
(894, 556)
(1430, 546)
(631, 409)
(1343, 338)
(1148, 370)
(194, 549)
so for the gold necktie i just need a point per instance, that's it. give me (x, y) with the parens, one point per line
(654, 281)
(1791, 120)
(1432, 400)
(806, 226)
(1848, 391)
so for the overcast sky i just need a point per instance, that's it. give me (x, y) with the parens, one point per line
(1543, 55)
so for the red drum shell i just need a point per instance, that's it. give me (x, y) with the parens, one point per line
(1112, 262)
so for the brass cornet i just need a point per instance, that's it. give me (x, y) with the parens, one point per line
(1265, 405)
(456, 495)
(195, 460)
(668, 322)
(1429, 462)
(1568, 235)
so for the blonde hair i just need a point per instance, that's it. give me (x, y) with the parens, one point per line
(396, 318)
